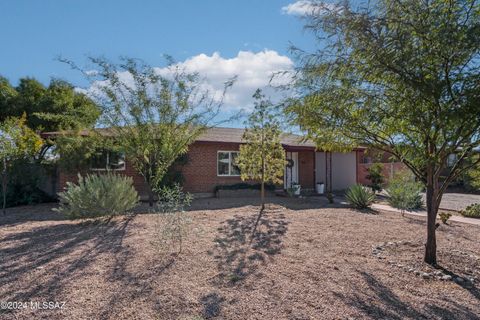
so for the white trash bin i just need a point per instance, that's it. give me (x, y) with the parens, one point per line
(320, 187)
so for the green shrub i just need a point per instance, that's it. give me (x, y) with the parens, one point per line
(97, 196)
(24, 180)
(174, 223)
(375, 176)
(444, 216)
(471, 179)
(360, 197)
(172, 198)
(472, 211)
(404, 192)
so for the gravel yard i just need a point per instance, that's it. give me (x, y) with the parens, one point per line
(306, 261)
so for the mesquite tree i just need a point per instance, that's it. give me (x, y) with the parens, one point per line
(401, 76)
(152, 114)
(262, 157)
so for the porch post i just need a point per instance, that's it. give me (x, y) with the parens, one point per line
(328, 171)
(314, 171)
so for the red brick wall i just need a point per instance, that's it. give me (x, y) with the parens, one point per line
(389, 169)
(200, 172)
(306, 174)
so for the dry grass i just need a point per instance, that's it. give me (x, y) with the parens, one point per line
(307, 261)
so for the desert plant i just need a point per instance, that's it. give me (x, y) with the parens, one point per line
(404, 192)
(174, 222)
(98, 196)
(359, 196)
(444, 216)
(472, 211)
(375, 176)
(329, 196)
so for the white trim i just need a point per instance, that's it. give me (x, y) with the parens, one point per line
(229, 163)
(123, 168)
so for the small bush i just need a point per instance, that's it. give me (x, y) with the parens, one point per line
(471, 179)
(360, 197)
(243, 186)
(404, 192)
(97, 196)
(174, 222)
(375, 176)
(472, 211)
(444, 216)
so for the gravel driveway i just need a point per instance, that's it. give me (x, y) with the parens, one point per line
(458, 201)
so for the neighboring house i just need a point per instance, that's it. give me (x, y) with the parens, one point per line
(211, 163)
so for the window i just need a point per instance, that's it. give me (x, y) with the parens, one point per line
(451, 159)
(108, 160)
(226, 163)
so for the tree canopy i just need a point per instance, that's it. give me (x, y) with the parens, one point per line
(152, 117)
(55, 107)
(400, 76)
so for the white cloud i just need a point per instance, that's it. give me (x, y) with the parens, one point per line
(306, 7)
(252, 70)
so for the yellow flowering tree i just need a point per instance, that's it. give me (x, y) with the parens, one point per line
(17, 141)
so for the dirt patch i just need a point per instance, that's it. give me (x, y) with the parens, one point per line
(307, 261)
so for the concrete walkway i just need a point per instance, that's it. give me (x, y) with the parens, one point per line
(422, 213)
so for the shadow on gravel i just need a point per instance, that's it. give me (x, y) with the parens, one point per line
(22, 214)
(237, 257)
(378, 301)
(467, 285)
(212, 304)
(71, 247)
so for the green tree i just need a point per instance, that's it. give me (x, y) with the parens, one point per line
(17, 141)
(401, 76)
(54, 108)
(262, 157)
(152, 117)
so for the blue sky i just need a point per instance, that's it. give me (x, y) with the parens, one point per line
(218, 37)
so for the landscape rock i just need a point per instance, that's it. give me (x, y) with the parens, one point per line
(425, 275)
(459, 280)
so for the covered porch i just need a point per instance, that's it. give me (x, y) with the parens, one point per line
(307, 167)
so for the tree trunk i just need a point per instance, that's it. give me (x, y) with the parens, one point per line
(262, 195)
(4, 187)
(432, 209)
(150, 197)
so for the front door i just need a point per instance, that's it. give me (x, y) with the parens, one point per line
(291, 170)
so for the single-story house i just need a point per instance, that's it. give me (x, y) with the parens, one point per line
(211, 163)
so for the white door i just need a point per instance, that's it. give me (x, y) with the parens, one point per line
(291, 170)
